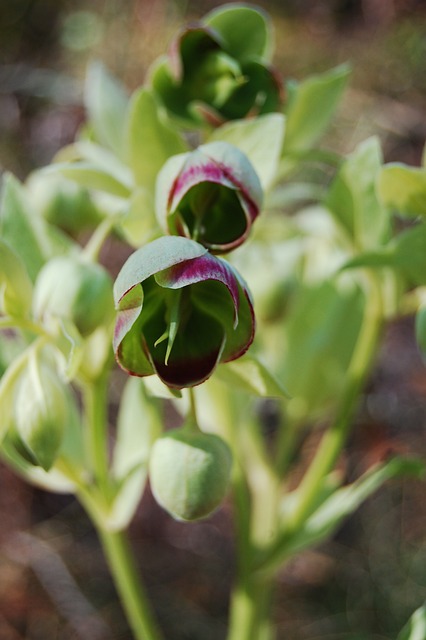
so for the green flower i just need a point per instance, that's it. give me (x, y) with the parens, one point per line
(181, 311)
(219, 70)
(212, 195)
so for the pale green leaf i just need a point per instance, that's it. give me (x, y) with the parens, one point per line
(260, 139)
(415, 629)
(403, 189)
(33, 239)
(249, 374)
(140, 225)
(151, 139)
(90, 175)
(106, 102)
(15, 284)
(353, 200)
(311, 107)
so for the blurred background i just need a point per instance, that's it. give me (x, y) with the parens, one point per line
(366, 582)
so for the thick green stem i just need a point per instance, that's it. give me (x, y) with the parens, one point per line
(115, 543)
(129, 587)
(95, 400)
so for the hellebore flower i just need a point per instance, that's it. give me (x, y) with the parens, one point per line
(181, 311)
(212, 195)
(217, 70)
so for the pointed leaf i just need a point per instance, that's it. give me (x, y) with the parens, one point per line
(249, 374)
(415, 629)
(352, 198)
(106, 102)
(151, 139)
(90, 175)
(403, 189)
(260, 139)
(15, 284)
(33, 239)
(311, 107)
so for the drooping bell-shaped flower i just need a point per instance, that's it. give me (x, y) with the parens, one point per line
(181, 311)
(218, 69)
(212, 195)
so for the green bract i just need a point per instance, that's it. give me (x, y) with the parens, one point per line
(212, 195)
(189, 473)
(71, 289)
(40, 412)
(181, 311)
(219, 69)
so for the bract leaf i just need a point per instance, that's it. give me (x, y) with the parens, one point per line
(353, 200)
(311, 106)
(33, 239)
(249, 374)
(15, 285)
(331, 513)
(106, 102)
(151, 139)
(260, 139)
(246, 32)
(403, 189)
(139, 424)
(90, 175)
(139, 226)
(415, 629)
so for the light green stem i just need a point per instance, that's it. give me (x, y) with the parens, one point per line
(116, 546)
(132, 594)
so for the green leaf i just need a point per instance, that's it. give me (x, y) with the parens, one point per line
(311, 107)
(8, 386)
(403, 189)
(15, 285)
(139, 425)
(415, 629)
(320, 329)
(335, 508)
(33, 239)
(260, 139)
(249, 374)
(420, 328)
(246, 31)
(409, 254)
(94, 154)
(90, 175)
(106, 102)
(151, 139)
(140, 226)
(352, 198)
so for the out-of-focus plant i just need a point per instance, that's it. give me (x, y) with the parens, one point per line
(318, 286)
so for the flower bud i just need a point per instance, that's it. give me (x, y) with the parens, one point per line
(62, 202)
(190, 473)
(71, 289)
(40, 413)
(212, 195)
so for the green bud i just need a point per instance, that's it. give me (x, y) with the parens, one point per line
(62, 202)
(71, 289)
(40, 413)
(189, 473)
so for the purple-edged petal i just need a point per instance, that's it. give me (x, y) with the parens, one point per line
(206, 267)
(159, 254)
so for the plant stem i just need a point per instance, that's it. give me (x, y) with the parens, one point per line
(95, 399)
(116, 546)
(126, 578)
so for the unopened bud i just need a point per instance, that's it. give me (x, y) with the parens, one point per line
(75, 290)
(189, 473)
